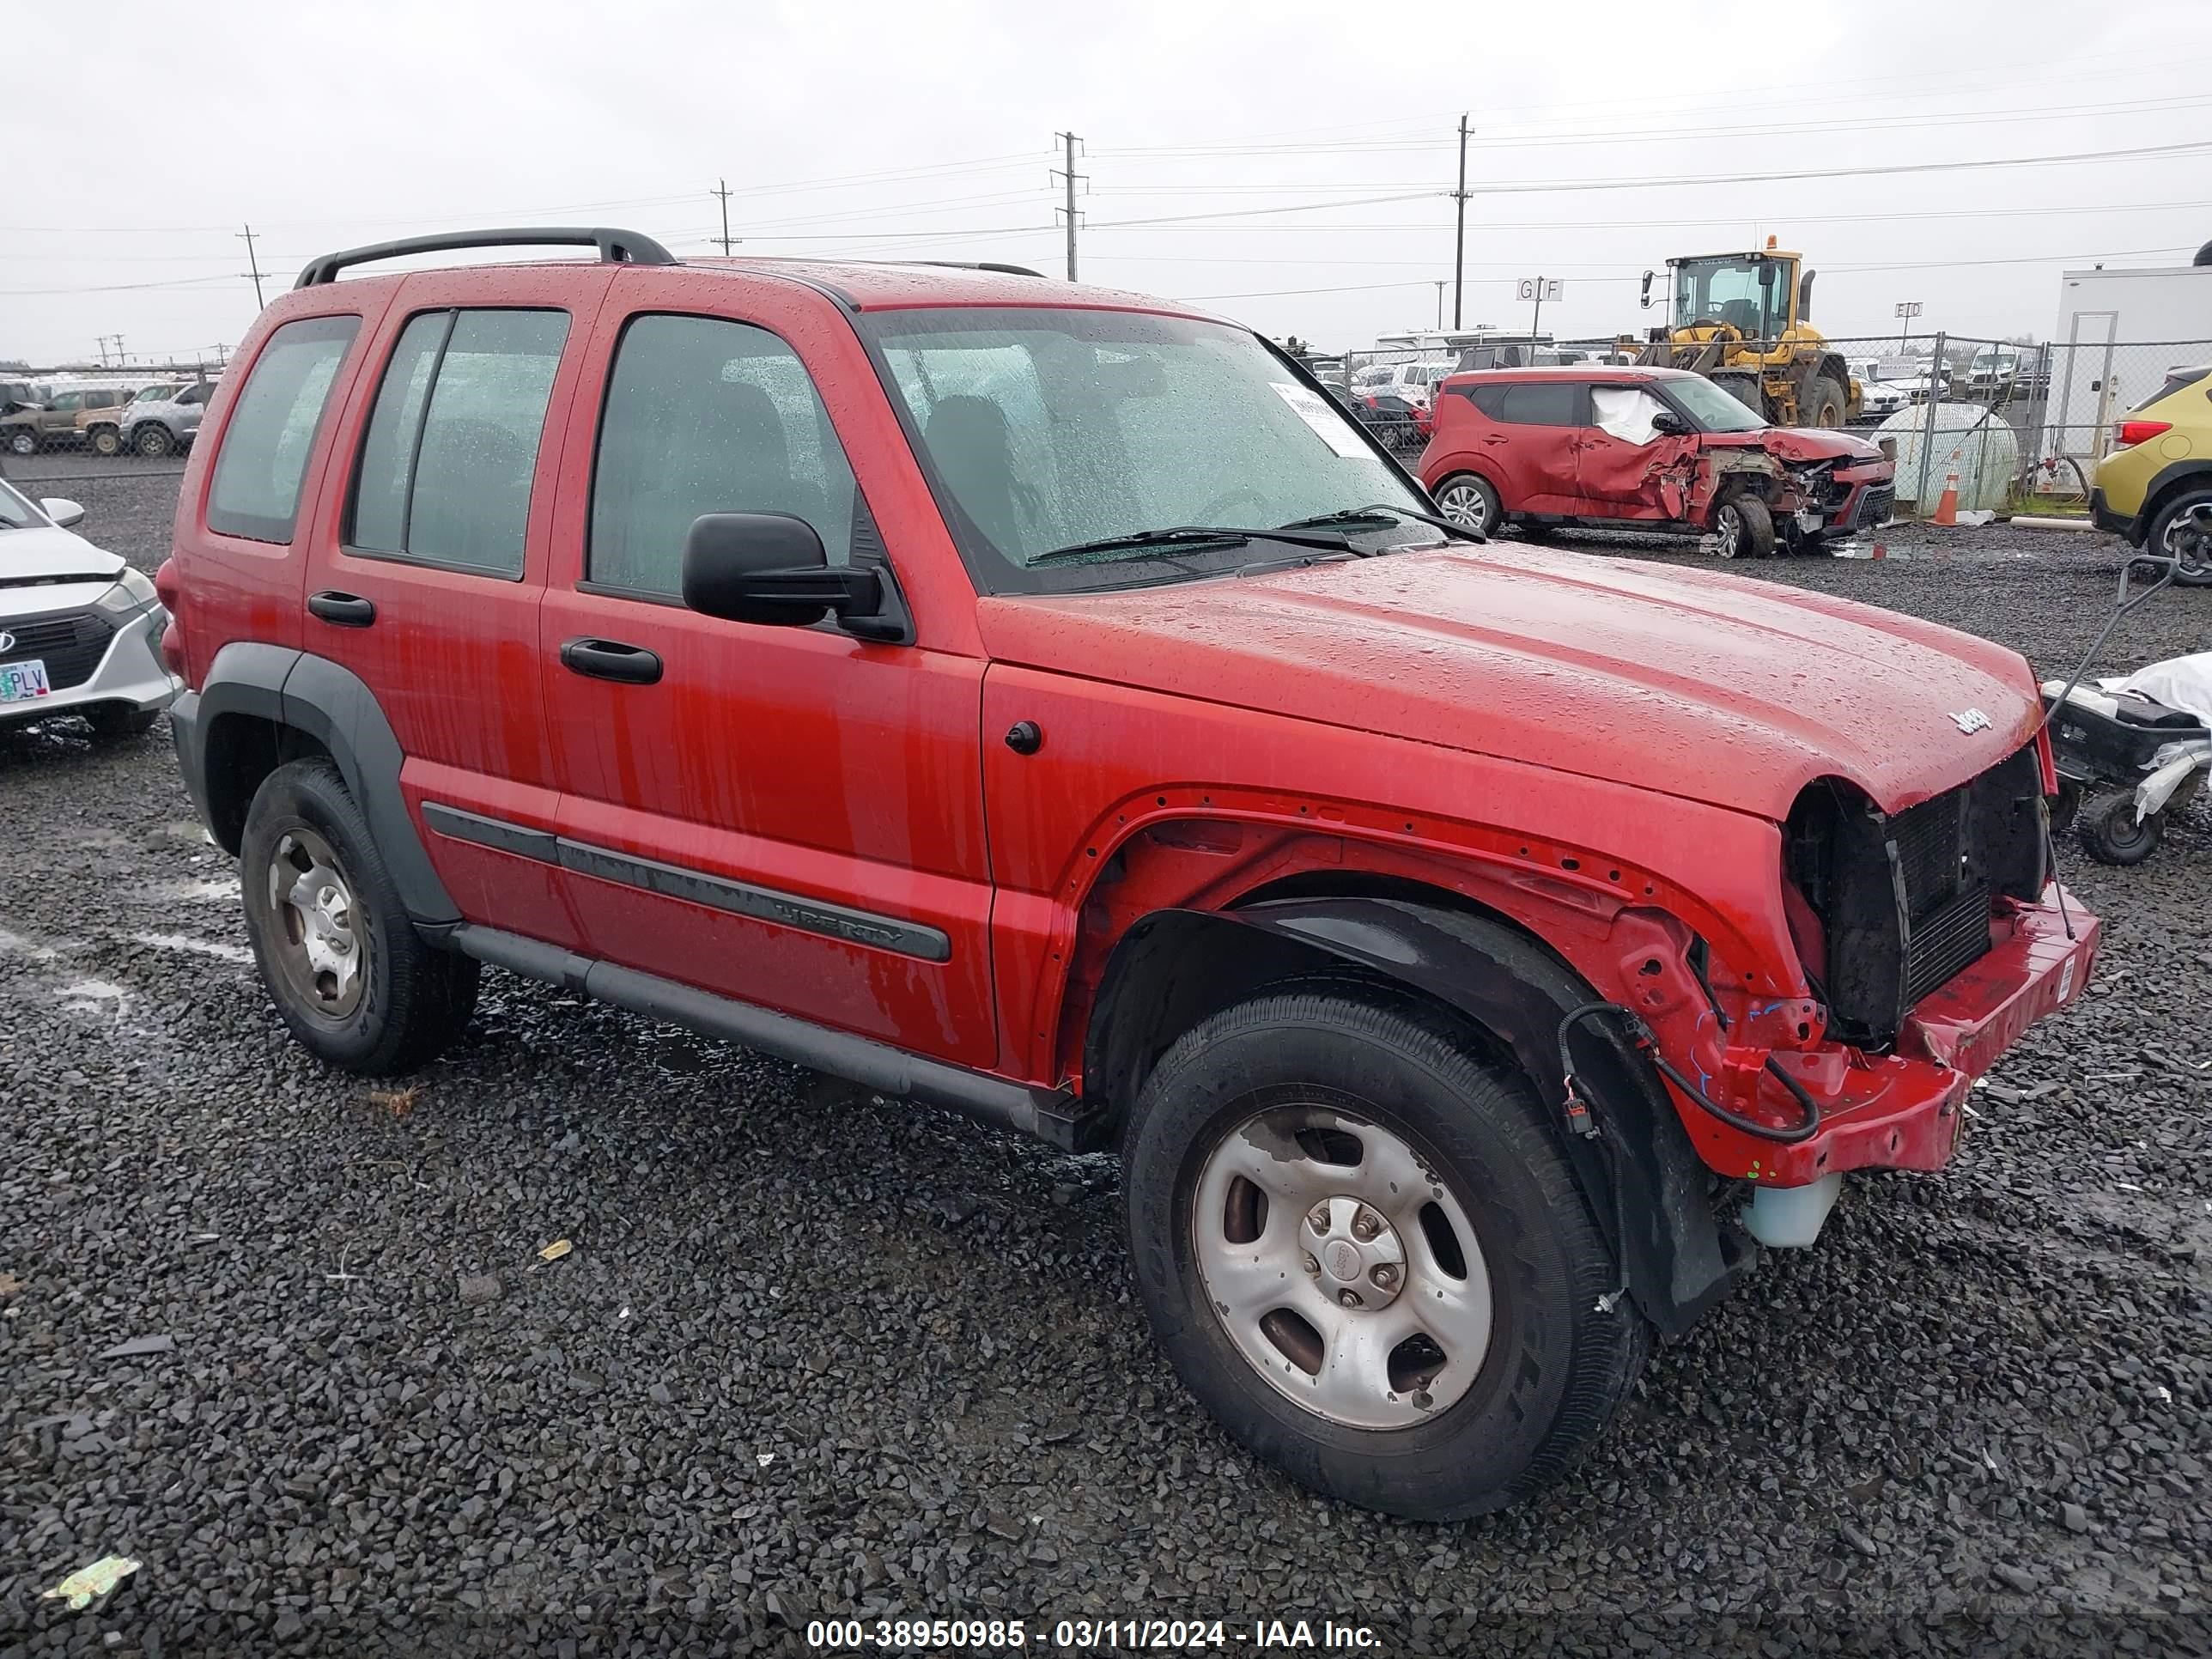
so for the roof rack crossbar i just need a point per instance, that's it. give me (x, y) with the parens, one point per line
(981, 265)
(615, 246)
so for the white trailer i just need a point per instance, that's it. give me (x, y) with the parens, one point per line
(2117, 334)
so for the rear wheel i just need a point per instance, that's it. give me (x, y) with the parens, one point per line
(1822, 404)
(107, 441)
(2109, 832)
(348, 972)
(1465, 498)
(1744, 528)
(153, 440)
(1364, 1251)
(2183, 530)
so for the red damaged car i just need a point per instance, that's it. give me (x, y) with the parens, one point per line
(1655, 449)
(1462, 947)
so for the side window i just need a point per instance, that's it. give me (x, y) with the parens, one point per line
(193, 394)
(1544, 403)
(271, 430)
(706, 416)
(67, 401)
(1625, 411)
(1490, 399)
(446, 469)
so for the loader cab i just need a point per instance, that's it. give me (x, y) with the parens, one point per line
(1757, 294)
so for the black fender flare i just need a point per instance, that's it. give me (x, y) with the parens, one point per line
(2175, 476)
(329, 702)
(1678, 1259)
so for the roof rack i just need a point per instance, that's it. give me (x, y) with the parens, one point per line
(981, 265)
(615, 246)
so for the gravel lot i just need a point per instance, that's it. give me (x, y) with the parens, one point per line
(814, 1353)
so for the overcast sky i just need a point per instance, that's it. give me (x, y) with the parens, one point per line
(141, 137)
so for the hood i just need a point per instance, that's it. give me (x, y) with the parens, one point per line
(1713, 687)
(46, 550)
(1797, 443)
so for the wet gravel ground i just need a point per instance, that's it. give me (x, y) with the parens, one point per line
(816, 1354)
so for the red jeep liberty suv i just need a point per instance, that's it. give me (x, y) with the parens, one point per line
(1046, 703)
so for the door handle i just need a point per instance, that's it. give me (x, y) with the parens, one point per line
(1495, 438)
(610, 660)
(341, 609)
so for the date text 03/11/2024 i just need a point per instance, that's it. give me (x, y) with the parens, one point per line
(1090, 1635)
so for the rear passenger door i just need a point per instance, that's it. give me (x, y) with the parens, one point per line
(789, 817)
(426, 574)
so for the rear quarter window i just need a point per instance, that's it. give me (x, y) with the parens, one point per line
(271, 432)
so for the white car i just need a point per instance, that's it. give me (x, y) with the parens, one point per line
(79, 630)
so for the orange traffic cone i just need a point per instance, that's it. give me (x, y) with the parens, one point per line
(1946, 506)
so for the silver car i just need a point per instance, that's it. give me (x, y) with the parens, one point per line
(79, 630)
(163, 426)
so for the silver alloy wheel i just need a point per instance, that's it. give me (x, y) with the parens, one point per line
(2189, 539)
(1341, 1267)
(24, 441)
(321, 949)
(1728, 526)
(1464, 502)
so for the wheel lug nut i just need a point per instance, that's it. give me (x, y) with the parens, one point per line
(1365, 1225)
(1349, 1298)
(1318, 1216)
(1311, 1266)
(1384, 1276)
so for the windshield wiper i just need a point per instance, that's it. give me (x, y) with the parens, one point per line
(1191, 535)
(1374, 513)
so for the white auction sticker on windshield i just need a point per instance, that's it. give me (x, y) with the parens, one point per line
(1332, 428)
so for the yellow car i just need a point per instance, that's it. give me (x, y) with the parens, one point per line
(2155, 487)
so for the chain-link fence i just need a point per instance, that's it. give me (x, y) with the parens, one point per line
(2022, 424)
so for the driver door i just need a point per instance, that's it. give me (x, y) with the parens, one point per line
(1622, 455)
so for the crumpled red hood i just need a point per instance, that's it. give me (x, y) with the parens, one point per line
(1715, 687)
(1789, 443)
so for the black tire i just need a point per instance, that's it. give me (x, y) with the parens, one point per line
(1555, 1368)
(23, 441)
(1822, 404)
(1536, 532)
(113, 721)
(1810, 543)
(106, 441)
(2066, 806)
(1751, 537)
(2183, 527)
(2108, 832)
(152, 439)
(415, 1000)
(1476, 498)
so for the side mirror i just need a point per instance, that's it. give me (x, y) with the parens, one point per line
(1644, 298)
(770, 569)
(1665, 420)
(67, 515)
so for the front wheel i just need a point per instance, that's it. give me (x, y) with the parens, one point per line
(153, 441)
(107, 441)
(348, 972)
(1466, 499)
(1822, 404)
(1743, 528)
(110, 721)
(1361, 1249)
(23, 441)
(2110, 832)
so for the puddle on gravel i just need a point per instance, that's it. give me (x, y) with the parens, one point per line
(93, 996)
(204, 947)
(223, 890)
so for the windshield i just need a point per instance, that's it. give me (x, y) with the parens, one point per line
(17, 512)
(1713, 409)
(1046, 430)
(1726, 291)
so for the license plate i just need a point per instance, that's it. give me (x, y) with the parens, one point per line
(23, 682)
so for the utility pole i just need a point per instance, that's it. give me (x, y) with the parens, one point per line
(251, 259)
(1459, 237)
(1440, 305)
(722, 190)
(1070, 139)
